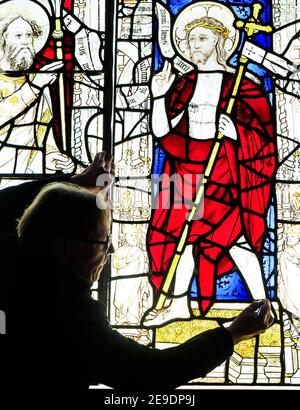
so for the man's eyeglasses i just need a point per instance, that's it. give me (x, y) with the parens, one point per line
(106, 243)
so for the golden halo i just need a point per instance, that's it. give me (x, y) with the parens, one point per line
(204, 9)
(31, 11)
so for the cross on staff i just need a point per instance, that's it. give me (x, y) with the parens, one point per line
(251, 27)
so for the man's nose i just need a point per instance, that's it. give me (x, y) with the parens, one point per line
(24, 39)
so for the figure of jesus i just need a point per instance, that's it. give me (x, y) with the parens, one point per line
(188, 112)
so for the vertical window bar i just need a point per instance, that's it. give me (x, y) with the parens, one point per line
(109, 111)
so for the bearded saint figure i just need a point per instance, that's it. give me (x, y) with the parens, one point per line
(26, 113)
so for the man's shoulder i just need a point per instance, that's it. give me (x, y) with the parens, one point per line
(185, 78)
(12, 79)
(251, 86)
(82, 310)
(96, 309)
(183, 85)
(249, 78)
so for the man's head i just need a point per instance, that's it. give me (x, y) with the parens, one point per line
(64, 223)
(131, 234)
(206, 37)
(16, 38)
(292, 235)
(292, 239)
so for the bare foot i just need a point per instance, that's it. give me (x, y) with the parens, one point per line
(161, 317)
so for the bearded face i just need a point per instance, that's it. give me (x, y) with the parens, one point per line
(20, 57)
(19, 51)
(199, 57)
(202, 44)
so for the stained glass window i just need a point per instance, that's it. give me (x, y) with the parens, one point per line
(199, 103)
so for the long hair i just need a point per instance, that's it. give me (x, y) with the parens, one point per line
(6, 22)
(218, 29)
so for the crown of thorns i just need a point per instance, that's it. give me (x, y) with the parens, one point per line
(224, 31)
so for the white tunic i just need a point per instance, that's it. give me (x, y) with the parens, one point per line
(203, 105)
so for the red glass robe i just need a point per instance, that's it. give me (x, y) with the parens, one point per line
(237, 195)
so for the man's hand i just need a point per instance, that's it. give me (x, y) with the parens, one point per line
(102, 167)
(227, 127)
(47, 75)
(255, 319)
(56, 161)
(162, 81)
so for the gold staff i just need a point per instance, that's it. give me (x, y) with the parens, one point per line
(251, 26)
